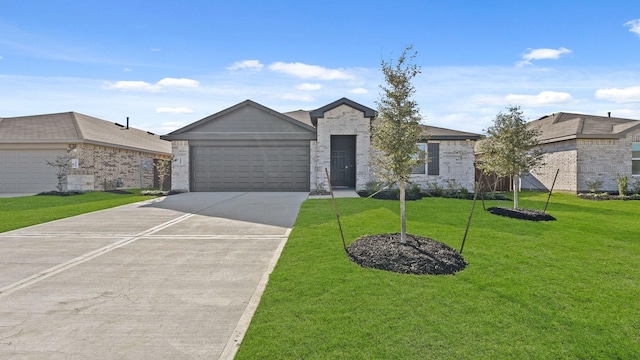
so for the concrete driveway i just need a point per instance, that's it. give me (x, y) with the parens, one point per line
(175, 278)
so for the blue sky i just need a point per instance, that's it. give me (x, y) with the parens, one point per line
(166, 64)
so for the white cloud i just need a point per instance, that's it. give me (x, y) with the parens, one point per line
(629, 94)
(133, 86)
(157, 87)
(634, 26)
(305, 71)
(127, 70)
(297, 97)
(0, 57)
(543, 54)
(253, 65)
(309, 87)
(358, 91)
(182, 82)
(173, 110)
(542, 99)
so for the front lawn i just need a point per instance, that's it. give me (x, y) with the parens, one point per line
(565, 289)
(24, 211)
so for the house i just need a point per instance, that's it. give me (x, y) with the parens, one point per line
(249, 147)
(585, 148)
(102, 154)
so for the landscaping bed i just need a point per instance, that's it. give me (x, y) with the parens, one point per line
(419, 255)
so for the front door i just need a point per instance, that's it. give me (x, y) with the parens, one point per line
(343, 160)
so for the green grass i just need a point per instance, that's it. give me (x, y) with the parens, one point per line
(566, 289)
(24, 211)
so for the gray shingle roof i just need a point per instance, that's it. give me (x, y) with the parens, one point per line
(566, 126)
(438, 133)
(71, 127)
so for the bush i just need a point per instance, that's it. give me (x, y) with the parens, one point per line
(594, 185)
(623, 184)
(435, 190)
(635, 187)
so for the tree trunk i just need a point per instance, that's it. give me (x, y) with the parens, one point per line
(516, 188)
(403, 216)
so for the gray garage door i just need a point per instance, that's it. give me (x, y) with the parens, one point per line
(25, 171)
(226, 168)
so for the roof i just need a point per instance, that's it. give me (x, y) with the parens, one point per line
(201, 129)
(438, 133)
(567, 126)
(304, 116)
(318, 113)
(72, 127)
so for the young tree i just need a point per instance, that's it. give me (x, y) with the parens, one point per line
(397, 132)
(163, 170)
(510, 148)
(61, 164)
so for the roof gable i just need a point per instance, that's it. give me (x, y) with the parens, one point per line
(246, 119)
(318, 113)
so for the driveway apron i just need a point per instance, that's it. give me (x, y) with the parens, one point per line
(171, 278)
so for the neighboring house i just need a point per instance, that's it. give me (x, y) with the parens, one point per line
(585, 148)
(249, 147)
(102, 154)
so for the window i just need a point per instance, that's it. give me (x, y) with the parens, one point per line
(432, 165)
(635, 158)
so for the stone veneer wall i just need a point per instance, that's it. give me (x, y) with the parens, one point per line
(456, 163)
(342, 120)
(180, 165)
(107, 165)
(561, 155)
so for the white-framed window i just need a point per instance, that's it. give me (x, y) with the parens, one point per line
(635, 158)
(432, 164)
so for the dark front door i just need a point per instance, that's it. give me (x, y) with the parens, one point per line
(343, 160)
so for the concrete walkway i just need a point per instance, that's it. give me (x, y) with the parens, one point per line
(175, 278)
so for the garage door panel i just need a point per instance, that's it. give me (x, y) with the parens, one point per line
(26, 171)
(229, 168)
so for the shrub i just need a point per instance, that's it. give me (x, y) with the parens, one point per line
(594, 185)
(433, 189)
(635, 187)
(414, 190)
(623, 184)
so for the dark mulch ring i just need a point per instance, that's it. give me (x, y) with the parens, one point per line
(419, 255)
(522, 214)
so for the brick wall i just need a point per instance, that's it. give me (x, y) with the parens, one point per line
(106, 164)
(561, 155)
(456, 163)
(584, 160)
(342, 120)
(605, 159)
(180, 165)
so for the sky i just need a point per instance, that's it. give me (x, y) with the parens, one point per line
(166, 64)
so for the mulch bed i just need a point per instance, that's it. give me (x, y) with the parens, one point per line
(522, 214)
(419, 255)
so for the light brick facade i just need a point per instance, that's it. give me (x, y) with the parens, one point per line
(342, 120)
(583, 160)
(180, 165)
(95, 167)
(456, 158)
